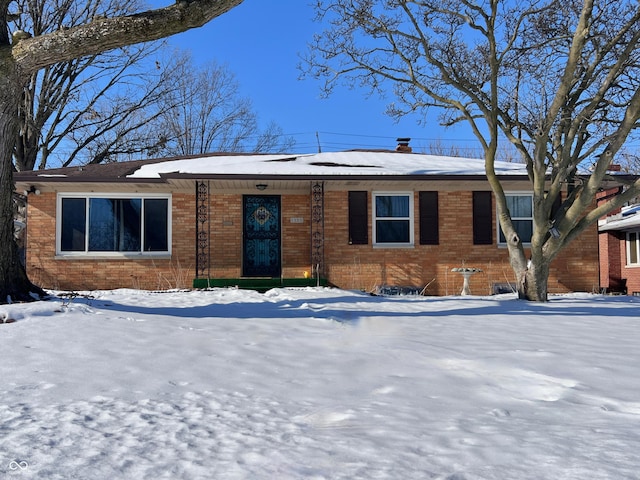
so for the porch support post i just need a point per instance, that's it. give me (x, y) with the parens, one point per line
(203, 230)
(317, 228)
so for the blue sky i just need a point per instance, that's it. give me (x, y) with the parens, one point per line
(261, 42)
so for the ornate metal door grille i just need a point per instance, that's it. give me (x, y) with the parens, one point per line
(261, 236)
(203, 230)
(317, 228)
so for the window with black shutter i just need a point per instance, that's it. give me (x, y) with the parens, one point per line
(429, 234)
(482, 216)
(392, 218)
(358, 216)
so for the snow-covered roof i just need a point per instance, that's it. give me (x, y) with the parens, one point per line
(621, 223)
(627, 219)
(630, 210)
(326, 164)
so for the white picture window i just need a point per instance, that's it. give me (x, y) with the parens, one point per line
(113, 224)
(520, 207)
(633, 248)
(393, 218)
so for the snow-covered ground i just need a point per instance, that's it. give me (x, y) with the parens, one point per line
(319, 384)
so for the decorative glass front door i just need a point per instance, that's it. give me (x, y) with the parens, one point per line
(261, 246)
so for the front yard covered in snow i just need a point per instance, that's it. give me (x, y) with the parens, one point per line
(319, 384)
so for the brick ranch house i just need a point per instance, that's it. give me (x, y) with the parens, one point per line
(354, 219)
(619, 235)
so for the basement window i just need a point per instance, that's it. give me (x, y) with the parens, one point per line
(103, 225)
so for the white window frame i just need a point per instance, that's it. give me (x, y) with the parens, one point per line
(110, 195)
(635, 233)
(499, 229)
(375, 218)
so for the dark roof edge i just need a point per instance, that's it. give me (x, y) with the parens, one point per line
(23, 178)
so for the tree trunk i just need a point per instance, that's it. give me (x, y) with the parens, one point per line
(532, 274)
(533, 282)
(22, 57)
(14, 284)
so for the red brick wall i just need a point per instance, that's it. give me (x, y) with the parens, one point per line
(631, 274)
(615, 276)
(633, 280)
(606, 269)
(346, 266)
(226, 235)
(612, 258)
(296, 237)
(364, 267)
(94, 273)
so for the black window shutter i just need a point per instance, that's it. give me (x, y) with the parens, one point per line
(482, 215)
(358, 217)
(429, 218)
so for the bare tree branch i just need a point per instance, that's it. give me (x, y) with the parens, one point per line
(205, 112)
(559, 80)
(33, 54)
(22, 57)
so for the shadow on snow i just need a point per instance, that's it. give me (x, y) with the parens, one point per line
(350, 307)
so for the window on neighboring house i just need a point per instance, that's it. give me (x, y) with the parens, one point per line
(633, 248)
(92, 224)
(521, 209)
(392, 219)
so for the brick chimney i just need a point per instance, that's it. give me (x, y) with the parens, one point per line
(403, 145)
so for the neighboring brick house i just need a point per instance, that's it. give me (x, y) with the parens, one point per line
(619, 238)
(356, 220)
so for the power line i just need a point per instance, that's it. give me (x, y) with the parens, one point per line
(426, 139)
